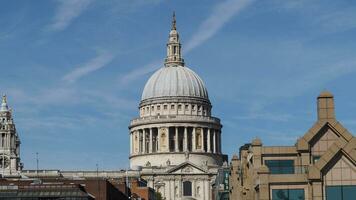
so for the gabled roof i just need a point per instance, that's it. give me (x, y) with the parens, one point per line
(304, 142)
(187, 168)
(348, 149)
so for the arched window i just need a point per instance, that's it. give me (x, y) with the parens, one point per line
(187, 188)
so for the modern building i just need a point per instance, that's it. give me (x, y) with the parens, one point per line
(176, 142)
(320, 166)
(9, 143)
(221, 189)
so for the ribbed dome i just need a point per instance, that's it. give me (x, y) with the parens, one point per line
(174, 81)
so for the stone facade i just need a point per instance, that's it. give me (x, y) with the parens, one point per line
(9, 143)
(320, 166)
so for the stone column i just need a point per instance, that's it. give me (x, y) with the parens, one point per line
(207, 188)
(185, 139)
(194, 188)
(131, 146)
(134, 142)
(158, 139)
(167, 138)
(214, 141)
(208, 141)
(219, 142)
(151, 141)
(202, 140)
(204, 189)
(193, 140)
(144, 140)
(176, 140)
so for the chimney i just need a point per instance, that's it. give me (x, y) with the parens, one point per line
(326, 106)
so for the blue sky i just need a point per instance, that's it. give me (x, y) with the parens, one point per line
(74, 70)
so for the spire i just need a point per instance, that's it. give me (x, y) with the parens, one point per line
(174, 54)
(4, 106)
(174, 21)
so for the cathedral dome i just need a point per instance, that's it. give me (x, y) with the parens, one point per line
(175, 81)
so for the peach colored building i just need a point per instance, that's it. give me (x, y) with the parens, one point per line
(320, 166)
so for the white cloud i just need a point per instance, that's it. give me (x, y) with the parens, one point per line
(338, 21)
(279, 117)
(100, 61)
(134, 74)
(66, 12)
(220, 15)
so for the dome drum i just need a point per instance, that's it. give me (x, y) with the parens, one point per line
(203, 121)
(176, 99)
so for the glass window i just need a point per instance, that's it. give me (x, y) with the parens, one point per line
(288, 194)
(349, 192)
(165, 107)
(172, 106)
(158, 107)
(186, 107)
(341, 192)
(179, 107)
(187, 188)
(316, 158)
(280, 166)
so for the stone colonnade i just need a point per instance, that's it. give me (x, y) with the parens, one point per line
(175, 139)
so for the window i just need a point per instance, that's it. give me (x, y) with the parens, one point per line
(341, 192)
(193, 107)
(316, 158)
(165, 107)
(187, 188)
(152, 108)
(186, 107)
(172, 106)
(288, 194)
(280, 166)
(158, 107)
(179, 107)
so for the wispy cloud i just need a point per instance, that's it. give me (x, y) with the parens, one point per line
(134, 74)
(338, 21)
(220, 15)
(100, 61)
(310, 79)
(265, 116)
(66, 12)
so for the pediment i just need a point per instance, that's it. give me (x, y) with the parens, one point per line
(337, 150)
(319, 129)
(186, 168)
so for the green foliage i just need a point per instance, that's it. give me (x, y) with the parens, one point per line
(158, 196)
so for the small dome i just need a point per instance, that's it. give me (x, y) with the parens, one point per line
(174, 81)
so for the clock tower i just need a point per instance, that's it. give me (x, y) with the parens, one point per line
(9, 143)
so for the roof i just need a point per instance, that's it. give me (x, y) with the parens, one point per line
(175, 81)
